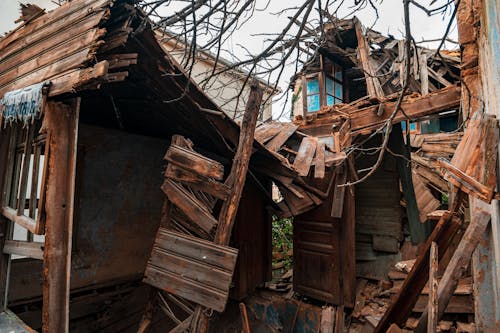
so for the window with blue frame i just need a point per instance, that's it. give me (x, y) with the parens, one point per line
(313, 95)
(324, 89)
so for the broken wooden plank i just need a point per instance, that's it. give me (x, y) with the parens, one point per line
(189, 205)
(192, 268)
(197, 182)
(27, 249)
(401, 307)
(319, 161)
(372, 83)
(305, 156)
(266, 132)
(280, 139)
(413, 107)
(194, 162)
(339, 193)
(244, 319)
(433, 284)
(458, 263)
(327, 320)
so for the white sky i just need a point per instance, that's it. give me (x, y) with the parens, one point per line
(390, 22)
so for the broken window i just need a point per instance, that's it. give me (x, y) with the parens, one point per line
(25, 175)
(324, 88)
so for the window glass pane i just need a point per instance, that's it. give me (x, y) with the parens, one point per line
(338, 74)
(329, 86)
(338, 90)
(312, 86)
(330, 100)
(313, 103)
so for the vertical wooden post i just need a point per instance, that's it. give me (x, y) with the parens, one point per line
(6, 136)
(433, 284)
(458, 264)
(61, 125)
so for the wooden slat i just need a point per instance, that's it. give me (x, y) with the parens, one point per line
(23, 221)
(53, 21)
(192, 268)
(43, 73)
(197, 182)
(28, 249)
(413, 107)
(339, 194)
(319, 161)
(189, 205)
(194, 162)
(401, 307)
(305, 155)
(39, 47)
(280, 139)
(266, 132)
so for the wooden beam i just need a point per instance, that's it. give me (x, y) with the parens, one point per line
(61, 124)
(236, 181)
(28, 249)
(237, 177)
(366, 119)
(433, 283)
(458, 264)
(407, 297)
(372, 83)
(194, 162)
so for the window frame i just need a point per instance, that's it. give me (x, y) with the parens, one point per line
(322, 77)
(24, 142)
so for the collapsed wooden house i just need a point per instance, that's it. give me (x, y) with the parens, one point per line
(131, 203)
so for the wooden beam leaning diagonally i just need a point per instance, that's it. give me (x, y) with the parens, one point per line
(458, 264)
(236, 181)
(401, 308)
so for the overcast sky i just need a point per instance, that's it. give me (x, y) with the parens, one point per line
(390, 22)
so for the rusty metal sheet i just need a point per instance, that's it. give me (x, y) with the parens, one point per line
(192, 268)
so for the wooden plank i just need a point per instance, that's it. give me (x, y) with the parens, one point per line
(401, 307)
(280, 139)
(61, 123)
(194, 162)
(305, 155)
(27, 249)
(414, 107)
(433, 285)
(266, 132)
(193, 247)
(82, 46)
(244, 319)
(339, 193)
(189, 205)
(84, 30)
(372, 83)
(44, 26)
(197, 182)
(193, 269)
(185, 288)
(458, 263)
(23, 221)
(385, 244)
(327, 320)
(319, 161)
(44, 73)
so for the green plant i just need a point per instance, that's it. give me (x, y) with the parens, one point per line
(282, 230)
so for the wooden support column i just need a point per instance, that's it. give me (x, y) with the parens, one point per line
(61, 126)
(433, 284)
(5, 138)
(458, 264)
